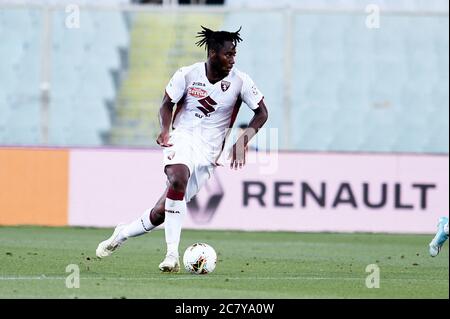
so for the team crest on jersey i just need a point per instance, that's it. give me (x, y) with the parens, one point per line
(225, 85)
(197, 92)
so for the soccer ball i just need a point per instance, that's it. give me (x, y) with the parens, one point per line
(200, 259)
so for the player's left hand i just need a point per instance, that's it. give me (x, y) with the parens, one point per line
(238, 155)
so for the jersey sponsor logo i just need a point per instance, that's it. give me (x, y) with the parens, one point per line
(225, 85)
(198, 84)
(207, 107)
(197, 92)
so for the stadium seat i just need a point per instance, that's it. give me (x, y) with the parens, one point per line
(344, 77)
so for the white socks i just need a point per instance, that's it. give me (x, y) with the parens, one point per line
(138, 227)
(175, 212)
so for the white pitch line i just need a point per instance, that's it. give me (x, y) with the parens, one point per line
(194, 277)
(31, 278)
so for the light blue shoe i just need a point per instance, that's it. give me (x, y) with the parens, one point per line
(440, 238)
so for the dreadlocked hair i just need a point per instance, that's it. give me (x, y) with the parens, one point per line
(215, 39)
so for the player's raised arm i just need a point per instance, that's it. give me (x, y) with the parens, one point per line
(239, 150)
(165, 118)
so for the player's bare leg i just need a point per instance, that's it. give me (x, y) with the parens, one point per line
(144, 224)
(157, 214)
(175, 210)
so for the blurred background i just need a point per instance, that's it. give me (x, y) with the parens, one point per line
(348, 77)
(94, 75)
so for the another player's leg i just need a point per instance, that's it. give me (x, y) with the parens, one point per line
(440, 238)
(175, 210)
(144, 224)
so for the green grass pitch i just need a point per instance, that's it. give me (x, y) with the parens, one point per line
(33, 263)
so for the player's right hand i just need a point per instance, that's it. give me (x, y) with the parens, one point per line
(238, 155)
(163, 139)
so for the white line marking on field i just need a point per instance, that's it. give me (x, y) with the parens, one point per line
(210, 277)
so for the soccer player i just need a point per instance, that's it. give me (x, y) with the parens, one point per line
(208, 96)
(440, 238)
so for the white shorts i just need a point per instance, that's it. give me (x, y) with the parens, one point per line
(184, 151)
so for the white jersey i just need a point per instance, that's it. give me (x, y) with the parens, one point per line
(206, 111)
